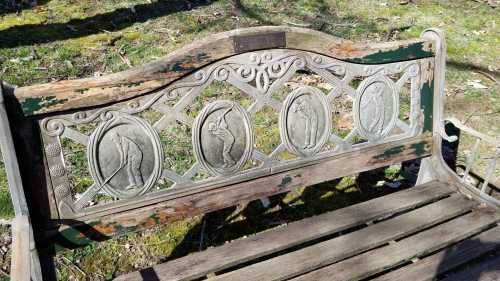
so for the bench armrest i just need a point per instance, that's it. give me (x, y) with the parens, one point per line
(472, 156)
(488, 139)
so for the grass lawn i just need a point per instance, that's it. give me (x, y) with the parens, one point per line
(66, 39)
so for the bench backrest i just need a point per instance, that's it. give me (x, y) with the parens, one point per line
(166, 141)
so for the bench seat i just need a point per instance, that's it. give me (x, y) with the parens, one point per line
(414, 234)
(245, 115)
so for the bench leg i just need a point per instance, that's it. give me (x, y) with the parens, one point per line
(426, 172)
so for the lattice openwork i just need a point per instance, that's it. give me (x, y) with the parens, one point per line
(130, 146)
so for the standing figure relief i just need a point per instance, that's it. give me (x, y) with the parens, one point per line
(306, 112)
(130, 157)
(220, 129)
(376, 100)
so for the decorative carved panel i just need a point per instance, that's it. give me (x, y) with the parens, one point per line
(125, 149)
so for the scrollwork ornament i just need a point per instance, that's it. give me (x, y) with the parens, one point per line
(55, 126)
(336, 67)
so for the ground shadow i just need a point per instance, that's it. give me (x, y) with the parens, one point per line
(16, 6)
(248, 219)
(484, 258)
(116, 20)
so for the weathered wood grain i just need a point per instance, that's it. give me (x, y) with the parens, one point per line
(370, 158)
(21, 260)
(304, 260)
(430, 267)
(488, 270)
(156, 209)
(375, 261)
(73, 94)
(215, 259)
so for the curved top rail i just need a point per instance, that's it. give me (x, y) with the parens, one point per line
(86, 92)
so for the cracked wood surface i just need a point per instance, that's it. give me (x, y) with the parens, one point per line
(81, 93)
(242, 250)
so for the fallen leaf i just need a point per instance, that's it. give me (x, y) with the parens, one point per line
(476, 84)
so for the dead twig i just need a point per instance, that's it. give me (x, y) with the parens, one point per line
(489, 76)
(72, 266)
(390, 33)
(297, 24)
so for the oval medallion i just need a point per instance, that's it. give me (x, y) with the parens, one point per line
(376, 107)
(125, 156)
(305, 121)
(222, 137)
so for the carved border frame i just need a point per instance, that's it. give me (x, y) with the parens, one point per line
(360, 92)
(92, 154)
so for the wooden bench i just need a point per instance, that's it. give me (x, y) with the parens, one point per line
(427, 231)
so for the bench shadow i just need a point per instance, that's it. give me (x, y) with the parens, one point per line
(239, 221)
(449, 267)
(112, 21)
(16, 6)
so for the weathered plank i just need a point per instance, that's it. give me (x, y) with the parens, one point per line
(375, 261)
(304, 260)
(429, 268)
(239, 251)
(156, 209)
(21, 260)
(73, 94)
(488, 270)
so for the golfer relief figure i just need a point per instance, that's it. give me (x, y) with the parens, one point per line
(306, 112)
(220, 129)
(131, 157)
(376, 99)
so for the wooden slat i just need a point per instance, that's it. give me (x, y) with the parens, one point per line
(73, 94)
(160, 208)
(327, 252)
(488, 270)
(430, 267)
(21, 260)
(375, 261)
(239, 251)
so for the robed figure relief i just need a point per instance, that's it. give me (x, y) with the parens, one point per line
(306, 112)
(130, 158)
(376, 107)
(220, 129)
(376, 101)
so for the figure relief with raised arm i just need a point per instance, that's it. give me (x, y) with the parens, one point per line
(220, 129)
